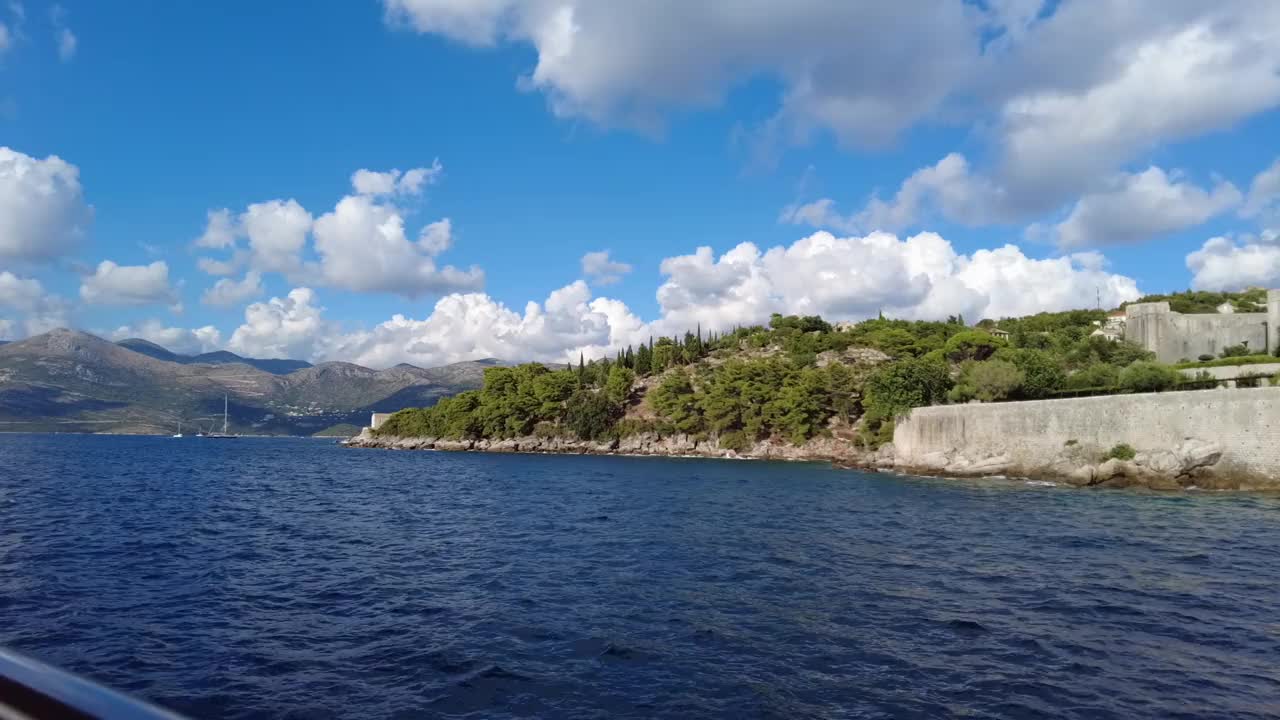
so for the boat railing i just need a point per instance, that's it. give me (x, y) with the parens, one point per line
(32, 690)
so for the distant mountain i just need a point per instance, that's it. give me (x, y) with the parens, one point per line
(220, 357)
(71, 381)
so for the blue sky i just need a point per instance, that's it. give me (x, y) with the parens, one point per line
(1105, 148)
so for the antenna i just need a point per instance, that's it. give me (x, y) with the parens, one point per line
(1098, 289)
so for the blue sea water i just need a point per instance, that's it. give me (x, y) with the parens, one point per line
(266, 578)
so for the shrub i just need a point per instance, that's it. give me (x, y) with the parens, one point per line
(735, 440)
(1145, 376)
(903, 385)
(1205, 358)
(1230, 361)
(546, 430)
(1232, 351)
(1071, 442)
(987, 381)
(1275, 380)
(1123, 451)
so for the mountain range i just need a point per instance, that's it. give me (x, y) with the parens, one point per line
(71, 381)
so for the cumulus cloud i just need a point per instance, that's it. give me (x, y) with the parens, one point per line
(220, 230)
(1224, 263)
(394, 182)
(30, 309)
(600, 269)
(624, 63)
(42, 210)
(277, 232)
(949, 187)
(183, 341)
(1063, 94)
(841, 278)
(921, 277)
(112, 284)
(227, 292)
(288, 327)
(363, 247)
(1141, 206)
(1264, 193)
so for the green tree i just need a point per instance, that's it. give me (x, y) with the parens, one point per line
(898, 387)
(987, 381)
(618, 387)
(591, 415)
(675, 400)
(972, 345)
(1042, 374)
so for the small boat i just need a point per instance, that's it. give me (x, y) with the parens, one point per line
(179, 433)
(224, 435)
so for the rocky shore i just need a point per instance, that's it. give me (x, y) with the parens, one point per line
(1194, 464)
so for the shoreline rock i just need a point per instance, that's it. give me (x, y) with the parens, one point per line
(1194, 464)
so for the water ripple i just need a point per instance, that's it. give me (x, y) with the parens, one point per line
(295, 579)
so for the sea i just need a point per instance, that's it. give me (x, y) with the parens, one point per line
(294, 578)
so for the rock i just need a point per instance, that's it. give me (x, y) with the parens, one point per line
(1194, 454)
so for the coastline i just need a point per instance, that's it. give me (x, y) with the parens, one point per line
(1190, 466)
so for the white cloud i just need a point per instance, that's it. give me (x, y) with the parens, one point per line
(1141, 206)
(625, 63)
(30, 307)
(436, 237)
(6, 38)
(600, 269)
(277, 232)
(66, 40)
(394, 182)
(42, 210)
(948, 187)
(1264, 193)
(66, 45)
(183, 341)
(361, 245)
(288, 327)
(220, 230)
(363, 248)
(227, 292)
(920, 277)
(113, 284)
(1231, 264)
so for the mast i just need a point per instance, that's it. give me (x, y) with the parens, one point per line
(224, 414)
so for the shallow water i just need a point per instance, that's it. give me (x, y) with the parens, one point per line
(292, 578)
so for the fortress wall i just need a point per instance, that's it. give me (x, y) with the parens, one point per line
(1173, 336)
(1244, 422)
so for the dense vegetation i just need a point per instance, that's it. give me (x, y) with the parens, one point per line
(793, 380)
(1197, 301)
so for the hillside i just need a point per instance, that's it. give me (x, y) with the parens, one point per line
(69, 381)
(220, 357)
(797, 380)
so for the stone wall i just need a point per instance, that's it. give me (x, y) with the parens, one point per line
(1174, 336)
(377, 419)
(1028, 437)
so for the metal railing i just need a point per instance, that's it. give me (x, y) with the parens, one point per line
(31, 690)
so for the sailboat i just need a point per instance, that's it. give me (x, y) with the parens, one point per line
(224, 435)
(179, 433)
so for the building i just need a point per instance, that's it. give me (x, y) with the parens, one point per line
(997, 332)
(1176, 336)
